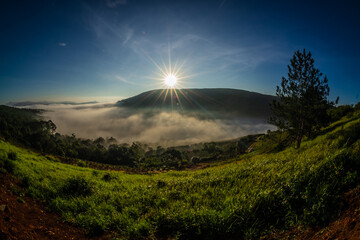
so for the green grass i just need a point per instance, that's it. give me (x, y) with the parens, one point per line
(245, 198)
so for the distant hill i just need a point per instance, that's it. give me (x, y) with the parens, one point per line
(217, 102)
(30, 103)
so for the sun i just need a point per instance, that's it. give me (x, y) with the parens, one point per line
(170, 80)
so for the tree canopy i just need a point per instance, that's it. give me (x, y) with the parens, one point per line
(302, 97)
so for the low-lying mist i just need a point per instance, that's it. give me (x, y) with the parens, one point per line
(158, 128)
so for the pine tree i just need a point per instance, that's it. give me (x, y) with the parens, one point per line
(303, 98)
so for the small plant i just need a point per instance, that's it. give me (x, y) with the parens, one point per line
(12, 155)
(76, 186)
(107, 177)
(25, 182)
(16, 191)
(82, 164)
(96, 228)
(161, 184)
(51, 158)
(8, 165)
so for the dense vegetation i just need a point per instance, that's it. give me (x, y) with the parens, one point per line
(271, 187)
(303, 104)
(26, 127)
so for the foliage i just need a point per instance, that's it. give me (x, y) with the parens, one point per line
(26, 127)
(76, 186)
(357, 107)
(6, 163)
(12, 155)
(240, 200)
(336, 113)
(303, 98)
(274, 142)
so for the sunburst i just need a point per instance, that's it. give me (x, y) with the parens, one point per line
(170, 80)
(172, 77)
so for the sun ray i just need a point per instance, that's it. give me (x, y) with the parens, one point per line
(166, 93)
(178, 99)
(161, 93)
(172, 76)
(169, 50)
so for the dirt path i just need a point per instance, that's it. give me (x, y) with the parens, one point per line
(24, 218)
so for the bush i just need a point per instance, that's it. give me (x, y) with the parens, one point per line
(76, 186)
(346, 137)
(82, 164)
(12, 155)
(8, 165)
(357, 107)
(160, 184)
(25, 182)
(107, 177)
(313, 198)
(337, 113)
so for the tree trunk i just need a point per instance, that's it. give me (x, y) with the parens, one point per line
(298, 142)
(300, 134)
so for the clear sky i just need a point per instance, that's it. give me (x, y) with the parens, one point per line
(108, 49)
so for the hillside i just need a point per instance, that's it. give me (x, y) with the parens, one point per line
(30, 103)
(219, 102)
(251, 196)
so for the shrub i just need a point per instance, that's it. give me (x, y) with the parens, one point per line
(357, 107)
(348, 136)
(96, 228)
(8, 165)
(51, 158)
(107, 177)
(12, 155)
(25, 182)
(82, 164)
(337, 113)
(161, 184)
(76, 186)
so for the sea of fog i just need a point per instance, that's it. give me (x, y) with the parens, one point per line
(165, 128)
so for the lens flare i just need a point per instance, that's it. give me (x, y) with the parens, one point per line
(172, 76)
(170, 80)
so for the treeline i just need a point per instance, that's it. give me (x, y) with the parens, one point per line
(278, 140)
(336, 113)
(25, 126)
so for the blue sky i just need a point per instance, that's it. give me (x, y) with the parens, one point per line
(108, 49)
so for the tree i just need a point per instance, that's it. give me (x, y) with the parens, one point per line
(99, 141)
(303, 98)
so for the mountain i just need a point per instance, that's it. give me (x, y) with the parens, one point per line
(217, 102)
(30, 103)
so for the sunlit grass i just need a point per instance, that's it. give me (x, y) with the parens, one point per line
(245, 198)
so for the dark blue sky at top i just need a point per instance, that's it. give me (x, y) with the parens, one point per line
(107, 49)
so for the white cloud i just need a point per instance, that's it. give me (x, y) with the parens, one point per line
(108, 33)
(159, 128)
(128, 34)
(124, 80)
(62, 44)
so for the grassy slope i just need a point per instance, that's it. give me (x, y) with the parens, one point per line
(245, 198)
